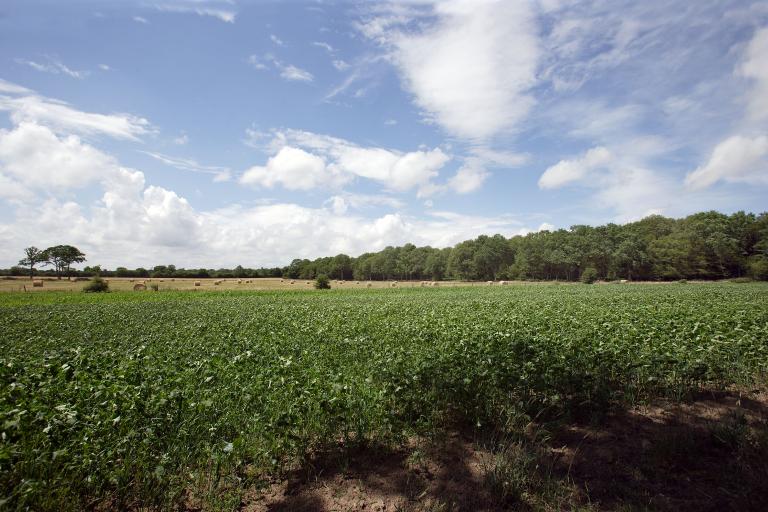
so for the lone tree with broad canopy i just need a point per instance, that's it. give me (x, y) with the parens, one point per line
(62, 257)
(33, 257)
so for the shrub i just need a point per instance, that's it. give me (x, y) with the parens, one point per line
(96, 285)
(589, 275)
(322, 282)
(758, 268)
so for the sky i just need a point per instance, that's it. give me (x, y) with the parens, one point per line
(220, 133)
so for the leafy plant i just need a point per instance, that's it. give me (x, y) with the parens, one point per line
(322, 282)
(96, 285)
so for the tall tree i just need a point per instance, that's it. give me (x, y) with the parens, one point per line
(62, 257)
(33, 257)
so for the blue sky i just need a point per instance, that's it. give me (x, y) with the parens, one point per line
(217, 133)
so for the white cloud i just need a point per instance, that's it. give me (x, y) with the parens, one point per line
(287, 71)
(188, 164)
(569, 171)
(395, 170)
(390, 122)
(469, 177)
(61, 117)
(325, 46)
(11, 88)
(276, 40)
(294, 169)
(736, 159)
(468, 70)
(36, 157)
(104, 67)
(181, 140)
(139, 19)
(223, 14)
(53, 66)
(755, 67)
(342, 203)
(295, 74)
(340, 64)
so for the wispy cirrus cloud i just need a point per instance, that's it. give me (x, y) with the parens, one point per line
(221, 10)
(24, 105)
(187, 164)
(287, 71)
(54, 66)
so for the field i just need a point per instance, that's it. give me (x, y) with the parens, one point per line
(168, 284)
(216, 399)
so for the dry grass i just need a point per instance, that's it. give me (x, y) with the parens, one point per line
(127, 284)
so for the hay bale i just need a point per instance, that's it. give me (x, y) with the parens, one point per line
(37, 283)
(292, 282)
(197, 283)
(357, 282)
(131, 280)
(490, 283)
(423, 284)
(369, 285)
(138, 287)
(217, 282)
(393, 284)
(435, 283)
(503, 283)
(622, 280)
(239, 281)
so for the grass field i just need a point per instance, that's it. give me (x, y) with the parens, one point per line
(198, 400)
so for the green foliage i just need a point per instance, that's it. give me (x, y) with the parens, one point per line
(322, 282)
(589, 275)
(758, 268)
(96, 285)
(137, 400)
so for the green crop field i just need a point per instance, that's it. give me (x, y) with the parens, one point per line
(124, 400)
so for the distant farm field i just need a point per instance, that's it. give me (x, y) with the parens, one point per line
(129, 400)
(246, 284)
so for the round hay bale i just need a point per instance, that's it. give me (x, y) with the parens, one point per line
(292, 282)
(369, 285)
(393, 285)
(502, 283)
(37, 283)
(217, 283)
(197, 283)
(239, 281)
(138, 287)
(435, 283)
(490, 283)
(131, 280)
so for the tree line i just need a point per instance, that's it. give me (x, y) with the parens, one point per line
(707, 245)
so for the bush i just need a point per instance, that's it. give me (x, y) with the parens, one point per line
(758, 268)
(96, 285)
(589, 275)
(322, 282)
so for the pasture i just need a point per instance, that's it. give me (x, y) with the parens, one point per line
(206, 400)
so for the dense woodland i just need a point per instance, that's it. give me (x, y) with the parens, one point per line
(708, 245)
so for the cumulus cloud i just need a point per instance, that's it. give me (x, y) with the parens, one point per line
(736, 159)
(294, 169)
(466, 68)
(331, 161)
(38, 158)
(569, 171)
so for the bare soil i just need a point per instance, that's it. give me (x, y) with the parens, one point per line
(706, 454)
